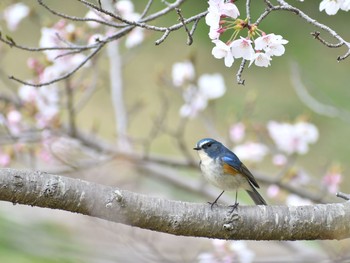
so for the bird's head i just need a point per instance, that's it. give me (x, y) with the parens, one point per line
(209, 147)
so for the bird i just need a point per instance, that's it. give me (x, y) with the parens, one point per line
(222, 168)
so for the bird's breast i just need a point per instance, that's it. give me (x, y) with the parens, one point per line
(225, 179)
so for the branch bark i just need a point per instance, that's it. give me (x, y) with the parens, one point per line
(322, 221)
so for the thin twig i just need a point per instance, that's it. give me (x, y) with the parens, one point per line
(240, 71)
(182, 20)
(65, 76)
(316, 35)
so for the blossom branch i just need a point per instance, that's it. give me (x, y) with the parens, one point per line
(65, 76)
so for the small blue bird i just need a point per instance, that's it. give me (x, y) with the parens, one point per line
(222, 168)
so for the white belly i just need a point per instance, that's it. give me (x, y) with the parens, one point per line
(212, 171)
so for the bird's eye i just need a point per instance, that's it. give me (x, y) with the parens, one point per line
(207, 145)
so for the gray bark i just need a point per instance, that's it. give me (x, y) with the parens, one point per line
(321, 221)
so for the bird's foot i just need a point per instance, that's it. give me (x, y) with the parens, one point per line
(233, 207)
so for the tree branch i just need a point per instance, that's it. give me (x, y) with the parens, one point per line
(40, 189)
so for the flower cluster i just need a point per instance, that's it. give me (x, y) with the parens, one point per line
(196, 95)
(332, 179)
(44, 101)
(331, 7)
(265, 45)
(293, 138)
(61, 63)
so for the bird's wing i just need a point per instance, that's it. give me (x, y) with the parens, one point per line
(232, 162)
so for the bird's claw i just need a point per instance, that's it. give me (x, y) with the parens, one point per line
(212, 204)
(233, 207)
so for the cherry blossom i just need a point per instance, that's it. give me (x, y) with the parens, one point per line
(125, 8)
(14, 122)
(251, 151)
(237, 132)
(345, 5)
(5, 159)
(217, 9)
(221, 50)
(14, 14)
(210, 86)
(291, 138)
(331, 7)
(182, 72)
(135, 37)
(332, 180)
(273, 191)
(242, 48)
(46, 101)
(91, 14)
(28, 93)
(261, 59)
(279, 159)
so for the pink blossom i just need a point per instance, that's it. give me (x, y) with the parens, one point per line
(28, 93)
(242, 48)
(211, 86)
(91, 14)
(14, 14)
(331, 7)
(217, 9)
(182, 72)
(5, 159)
(221, 50)
(135, 37)
(272, 44)
(14, 122)
(293, 138)
(279, 159)
(332, 180)
(237, 132)
(273, 191)
(345, 5)
(125, 8)
(261, 59)
(251, 151)
(54, 37)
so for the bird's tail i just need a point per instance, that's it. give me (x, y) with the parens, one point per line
(257, 198)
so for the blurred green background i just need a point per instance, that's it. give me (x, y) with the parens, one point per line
(270, 89)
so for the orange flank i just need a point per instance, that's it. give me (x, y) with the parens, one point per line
(228, 169)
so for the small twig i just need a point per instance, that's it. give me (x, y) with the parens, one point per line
(268, 3)
(182, 20)
(146, 9)
(240, 71)
(247, 7)
(65, 76)
(316, 35)
(164, 36)
(79, 19)
(343, 196)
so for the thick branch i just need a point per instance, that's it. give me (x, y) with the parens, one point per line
(174, 217)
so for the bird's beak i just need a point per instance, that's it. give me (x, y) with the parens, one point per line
(196, 148)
